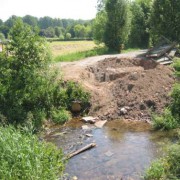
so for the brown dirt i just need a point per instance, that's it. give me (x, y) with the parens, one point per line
(122, 86)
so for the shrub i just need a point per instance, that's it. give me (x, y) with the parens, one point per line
(156, 171)
(175, 105)
(167, 167)
(164, 122)
(29, 88)
(75, 92)
(60, 116)
(23, 156)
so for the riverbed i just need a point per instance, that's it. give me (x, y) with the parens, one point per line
(124, 149)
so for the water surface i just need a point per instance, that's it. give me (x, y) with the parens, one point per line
(124, 149)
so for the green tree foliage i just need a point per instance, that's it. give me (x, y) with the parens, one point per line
(23, 84)
(80, 31)
(68, 36)
(23, 156)
(116, 30)
(1, 22)
(58, 31)
(165, 19)
(32, 21)
(99, 25)
(29, 90)
(2, 37)
(139, 36)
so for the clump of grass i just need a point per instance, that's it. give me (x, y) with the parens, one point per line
(60, 116)
(23, 156)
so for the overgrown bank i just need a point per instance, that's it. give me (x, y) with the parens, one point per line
(168, 167)
(30, 94)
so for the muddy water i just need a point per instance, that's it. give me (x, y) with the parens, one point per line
(124, 149)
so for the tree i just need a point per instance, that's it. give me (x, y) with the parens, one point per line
(68, 36)
(99, 25)
(5, 30)
(32, 21)
(2, 37)
(80, 31)
(139, 36)
(10, 22)
(25, 82)
(165, 19)
(1, 22)
(45, 22)
(117, 30)
(58, 31)
(49, 32)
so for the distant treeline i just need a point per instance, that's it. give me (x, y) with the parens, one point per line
(52, 27)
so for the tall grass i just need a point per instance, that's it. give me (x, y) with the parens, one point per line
(23, 156)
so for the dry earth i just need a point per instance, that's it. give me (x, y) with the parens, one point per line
(122, 86)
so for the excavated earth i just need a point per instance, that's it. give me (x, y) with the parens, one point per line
(123, 86)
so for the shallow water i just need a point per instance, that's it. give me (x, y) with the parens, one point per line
(124, 149)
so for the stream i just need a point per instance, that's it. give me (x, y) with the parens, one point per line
(123, 149)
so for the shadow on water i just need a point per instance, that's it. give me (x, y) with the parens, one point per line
(124, 149)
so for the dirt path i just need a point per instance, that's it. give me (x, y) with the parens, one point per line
(122, 85)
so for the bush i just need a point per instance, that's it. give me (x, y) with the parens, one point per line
(29, 88)
(164, 122)
(60, 116)
(156, 171)
(23, 156)
(167, 167)
(75, 92)
(175, 105)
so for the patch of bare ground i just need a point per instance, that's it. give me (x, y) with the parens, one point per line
(123, 86)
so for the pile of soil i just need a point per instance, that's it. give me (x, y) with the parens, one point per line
(123, 86)
(133, 88)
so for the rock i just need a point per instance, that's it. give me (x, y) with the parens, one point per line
(85, 127)
(100, 124)
(89, 119)
(75, 178)
(109, 153)
(124, 110)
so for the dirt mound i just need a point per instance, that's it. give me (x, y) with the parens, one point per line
(122, 86)
(130, 88)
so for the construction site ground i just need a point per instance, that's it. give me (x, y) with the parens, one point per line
(122, 86)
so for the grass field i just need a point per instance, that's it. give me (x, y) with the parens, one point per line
(59, 48)
(76, 50)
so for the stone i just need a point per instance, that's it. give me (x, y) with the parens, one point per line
(124, 110)
(89, 119)
(85, 127)
(100, 124)
(75, 178)
(109, 153)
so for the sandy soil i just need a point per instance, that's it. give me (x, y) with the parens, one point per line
(123, 85)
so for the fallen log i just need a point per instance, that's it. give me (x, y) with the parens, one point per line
(89, 146)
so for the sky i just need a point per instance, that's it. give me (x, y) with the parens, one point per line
(73, 9)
